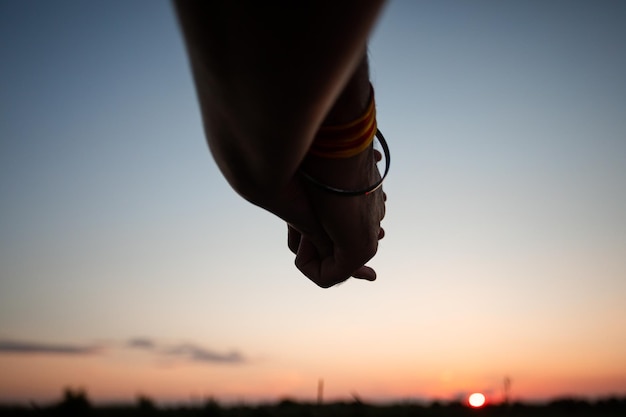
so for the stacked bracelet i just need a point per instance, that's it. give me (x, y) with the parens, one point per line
(364, 191)
(347, 140)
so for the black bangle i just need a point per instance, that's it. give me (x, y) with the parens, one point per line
(363, 191)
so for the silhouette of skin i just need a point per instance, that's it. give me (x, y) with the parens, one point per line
(267, 76)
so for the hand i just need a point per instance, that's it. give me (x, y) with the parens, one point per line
(350, 225)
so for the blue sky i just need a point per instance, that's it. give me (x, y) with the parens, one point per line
(505, 250)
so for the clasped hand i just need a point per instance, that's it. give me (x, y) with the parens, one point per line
(334, 236)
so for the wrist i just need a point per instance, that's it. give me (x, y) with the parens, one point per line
(342, 158)
(331, 169)
(353, 173)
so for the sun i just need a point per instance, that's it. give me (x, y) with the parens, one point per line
(476, 400)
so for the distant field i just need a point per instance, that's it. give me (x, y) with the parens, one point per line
(78, 405)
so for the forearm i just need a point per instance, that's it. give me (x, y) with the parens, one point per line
(266, 82)
(350, 173)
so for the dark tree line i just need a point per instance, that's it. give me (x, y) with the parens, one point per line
(75, 402)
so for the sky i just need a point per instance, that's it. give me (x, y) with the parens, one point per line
(129, 267)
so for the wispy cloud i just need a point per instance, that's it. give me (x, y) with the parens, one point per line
(180, 351)
(25, 347)
(200, 354)
(187, 351)
(141, 343)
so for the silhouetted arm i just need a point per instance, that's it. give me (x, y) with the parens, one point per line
(267, 75)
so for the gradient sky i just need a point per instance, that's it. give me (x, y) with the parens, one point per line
(128, 266)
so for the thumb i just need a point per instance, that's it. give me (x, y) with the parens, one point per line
(316, 267)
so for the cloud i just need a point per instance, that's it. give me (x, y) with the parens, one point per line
(188, 351)
(142, 343)
(200, 354)
(184, 351)
(22, 347)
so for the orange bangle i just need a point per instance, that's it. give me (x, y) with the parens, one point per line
(363, 191)
(347, 140)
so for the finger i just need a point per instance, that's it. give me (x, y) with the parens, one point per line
(324, 271)
(293, 238)
(366, 273)
(380, 206)
(314, 233)
(381, 233)
(377, 155)
(315, 267)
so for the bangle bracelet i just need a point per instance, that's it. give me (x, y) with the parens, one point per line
(349, 139)
(364, 191)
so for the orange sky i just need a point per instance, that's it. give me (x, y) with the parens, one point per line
(124, 376)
